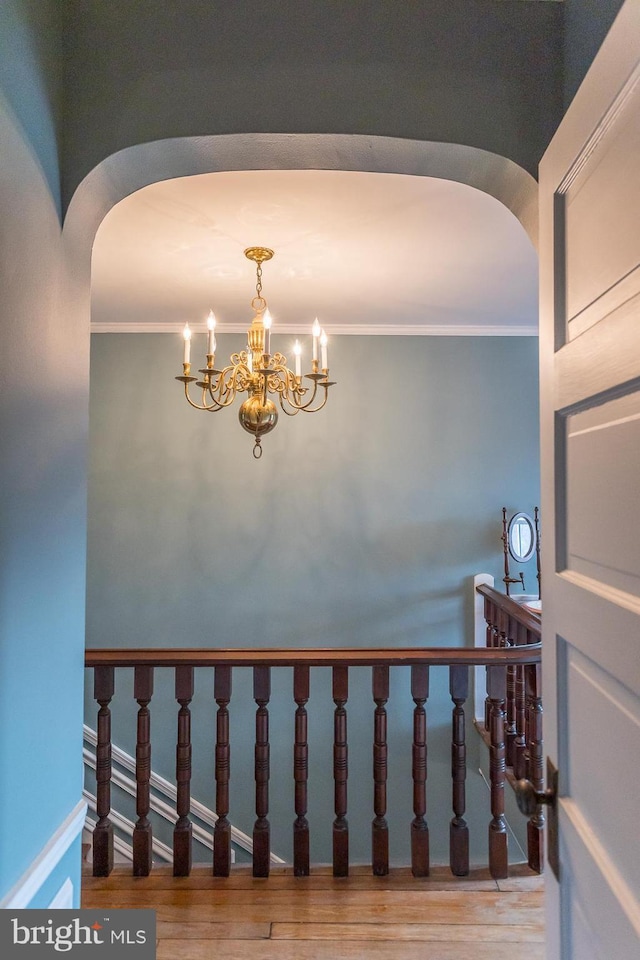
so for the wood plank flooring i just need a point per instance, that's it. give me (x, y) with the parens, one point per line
(318, 917)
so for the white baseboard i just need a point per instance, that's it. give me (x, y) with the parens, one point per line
(23, 892)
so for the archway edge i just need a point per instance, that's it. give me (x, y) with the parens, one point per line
(129, 170)
(135, 167)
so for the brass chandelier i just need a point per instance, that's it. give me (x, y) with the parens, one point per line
(258, 372)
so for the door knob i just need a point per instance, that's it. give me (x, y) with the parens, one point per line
(528, 798)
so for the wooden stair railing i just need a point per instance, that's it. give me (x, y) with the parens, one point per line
(510, 625)
(498, 658)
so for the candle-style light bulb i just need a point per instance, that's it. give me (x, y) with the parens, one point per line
(186, 333)
(267, 321)
(323, 343)
(315, 331)
(297, 351)
(211, 326)
(250, 360)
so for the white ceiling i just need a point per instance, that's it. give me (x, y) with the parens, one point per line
(365, 252)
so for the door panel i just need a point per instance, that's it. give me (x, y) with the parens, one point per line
(602, 513)
(590, 413)
(595, 927)
(615, 710)
(602, 209)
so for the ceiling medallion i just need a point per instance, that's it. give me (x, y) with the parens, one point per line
(258, 372)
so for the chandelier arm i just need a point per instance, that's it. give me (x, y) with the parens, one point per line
(308, 406)
(203, 406)
(224, 399)
(224, 391)
(283, 405)
(309, 402)
(307, 409)
(288, 388)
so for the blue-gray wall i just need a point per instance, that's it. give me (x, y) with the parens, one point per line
(43, 431)
(477, 72)
(362, 525)
(357, 527)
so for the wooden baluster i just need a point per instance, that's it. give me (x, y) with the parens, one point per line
(493, 640)
(301, 773)
(340, 771)
(510, 731)
(222, 828)
(261, 828)
(502, 642)
(379, 826)
(496, 690)
(103, 688)
(536, 523)
(183, 829)
(535, 826)
(419, 826)
(142, 833)
(520, 743)
(458, 829)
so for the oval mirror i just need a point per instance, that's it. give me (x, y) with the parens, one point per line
(521, 537)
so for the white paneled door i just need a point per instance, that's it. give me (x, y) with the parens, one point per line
(590, 396)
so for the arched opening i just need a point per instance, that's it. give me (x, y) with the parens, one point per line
(363, 524)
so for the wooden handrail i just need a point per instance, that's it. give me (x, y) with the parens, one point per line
(314, 656)
(517, 611)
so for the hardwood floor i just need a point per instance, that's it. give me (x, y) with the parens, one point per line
(381, 918)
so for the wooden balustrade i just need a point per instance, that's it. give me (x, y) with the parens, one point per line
(513, 723)
(527, 745)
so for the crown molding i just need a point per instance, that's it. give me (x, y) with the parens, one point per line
(354, 330)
